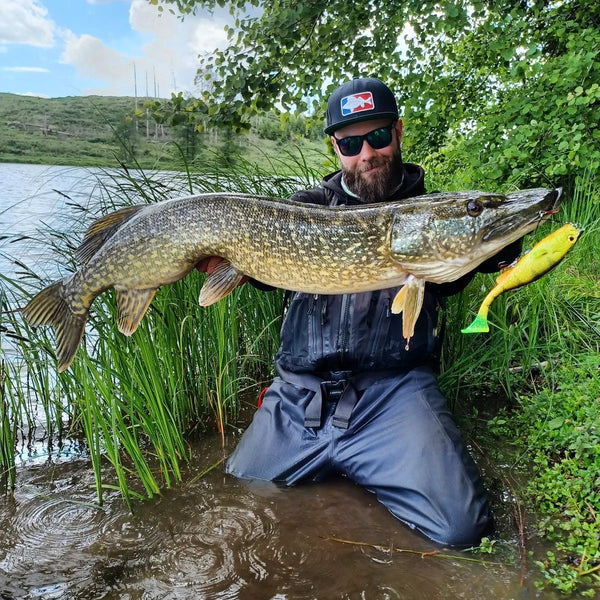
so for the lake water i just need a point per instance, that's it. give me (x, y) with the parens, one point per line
(214, 536)
(46, 198)
(28, 199)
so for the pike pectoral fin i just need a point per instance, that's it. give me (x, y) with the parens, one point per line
(220, 283)
(409, 301)
(131, 307)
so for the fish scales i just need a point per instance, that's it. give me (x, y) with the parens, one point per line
(321, 252)
(320, 248)
(301, 247)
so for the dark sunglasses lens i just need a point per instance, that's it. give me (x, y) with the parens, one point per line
(350, 146)
(379, 138)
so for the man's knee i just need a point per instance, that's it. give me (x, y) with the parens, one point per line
(460, 522)
(462, 530)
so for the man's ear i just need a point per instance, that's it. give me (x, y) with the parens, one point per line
(399, 129)
(335, 147)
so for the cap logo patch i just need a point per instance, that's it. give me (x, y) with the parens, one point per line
(356, 103)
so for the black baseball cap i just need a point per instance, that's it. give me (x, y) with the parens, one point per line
(362, 99)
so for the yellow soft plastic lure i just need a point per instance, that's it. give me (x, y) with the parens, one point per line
(535, 263)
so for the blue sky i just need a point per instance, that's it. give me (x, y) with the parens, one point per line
(57, 48)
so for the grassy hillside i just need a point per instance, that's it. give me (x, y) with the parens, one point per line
(99, 131)
(75, 130)
(75, 115)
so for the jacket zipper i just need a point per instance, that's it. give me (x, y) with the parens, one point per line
(344, 332)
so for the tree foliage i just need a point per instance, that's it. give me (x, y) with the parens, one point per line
(513, 86)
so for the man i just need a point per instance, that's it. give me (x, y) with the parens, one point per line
(350, 397)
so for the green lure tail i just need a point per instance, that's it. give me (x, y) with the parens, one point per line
(479, 325)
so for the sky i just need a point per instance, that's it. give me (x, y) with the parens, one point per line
(56, 48)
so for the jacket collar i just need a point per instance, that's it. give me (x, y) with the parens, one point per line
(412, 184)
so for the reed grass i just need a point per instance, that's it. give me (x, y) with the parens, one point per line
(8, 424)
(138, 401)
(550, 321)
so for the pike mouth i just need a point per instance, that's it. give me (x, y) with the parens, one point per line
(552, 199)
(556, 196)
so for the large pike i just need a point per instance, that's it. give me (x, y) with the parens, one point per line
(290, 245)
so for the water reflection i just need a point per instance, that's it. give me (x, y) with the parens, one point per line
(217, 537)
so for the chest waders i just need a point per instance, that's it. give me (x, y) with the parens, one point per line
(343, 389)
(351, 400)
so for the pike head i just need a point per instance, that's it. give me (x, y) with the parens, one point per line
(458, 231)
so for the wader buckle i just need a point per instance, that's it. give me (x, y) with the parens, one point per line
(333, 390)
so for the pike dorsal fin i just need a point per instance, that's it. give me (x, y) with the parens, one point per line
(102, 229)
(131, 307)
(409, 301)
(220, 283)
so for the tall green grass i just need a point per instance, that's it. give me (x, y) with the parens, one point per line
(554, 319)
(8, 425)
(138, 401)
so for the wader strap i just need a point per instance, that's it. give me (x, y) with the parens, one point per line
(345, 391)
(345, 406)
(312, 413)
(314, 410)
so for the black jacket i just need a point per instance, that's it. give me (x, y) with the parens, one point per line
(358, 332)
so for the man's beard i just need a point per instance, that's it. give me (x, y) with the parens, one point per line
(381, 184)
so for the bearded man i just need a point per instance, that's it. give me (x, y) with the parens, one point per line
(351, 399)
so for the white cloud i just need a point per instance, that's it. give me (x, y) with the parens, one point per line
(145, 18)
(166, 63)
(26, 69)
(93, 59)
(176, 44)
(208, 35)
(25, 22)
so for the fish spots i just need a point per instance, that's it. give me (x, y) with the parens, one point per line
(355, 249)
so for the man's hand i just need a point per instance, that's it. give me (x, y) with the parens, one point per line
(210, 263)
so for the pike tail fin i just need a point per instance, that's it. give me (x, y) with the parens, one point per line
(50, 308)
(479, 325)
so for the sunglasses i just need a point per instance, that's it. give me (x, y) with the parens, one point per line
(377, 139)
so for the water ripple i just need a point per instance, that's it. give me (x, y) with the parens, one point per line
(205, 552)
(48, 529)
(219, 539)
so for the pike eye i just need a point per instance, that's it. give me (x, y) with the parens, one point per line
(474, 208)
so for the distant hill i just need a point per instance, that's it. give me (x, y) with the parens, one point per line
(77, 130)
(100, 131)
(82, 116)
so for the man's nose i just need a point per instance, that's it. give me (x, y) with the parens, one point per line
(367, 152)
